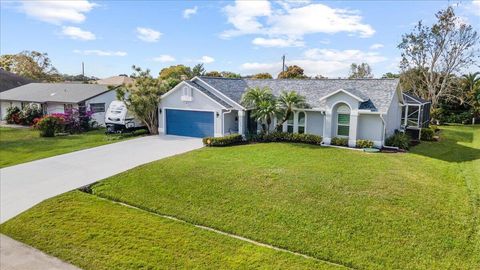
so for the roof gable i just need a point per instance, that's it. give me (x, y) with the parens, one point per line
(374, 94)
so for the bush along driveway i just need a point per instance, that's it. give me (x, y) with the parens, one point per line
(417, 210)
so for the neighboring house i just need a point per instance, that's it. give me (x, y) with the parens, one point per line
(355, 109)
(115, 81)
(9, 80)
(56, 97)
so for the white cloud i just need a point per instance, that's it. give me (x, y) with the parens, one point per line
(187, 13)
(57, 12)
(206, 59)
(327, 62)
(376, 46)
(77, 33)
(277, 42)
(259, 17)
(148, 34)
(101, 52)
(164, 58)
(243, 16)
(476, 7)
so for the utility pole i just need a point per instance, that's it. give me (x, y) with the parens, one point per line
(283, 63)
(83, 71)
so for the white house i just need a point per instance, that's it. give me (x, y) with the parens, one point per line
(355, 109)
(57, 97)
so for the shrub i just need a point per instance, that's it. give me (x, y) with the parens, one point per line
(364, 144)
(427, 134)
(13, 115)
(291, 137)
(434, 128)
(223, 141)
(49, 125)
(339, 141)
(30, 113)
(76, 121)
(399, 139)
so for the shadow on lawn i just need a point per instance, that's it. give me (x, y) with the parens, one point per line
(449, 148)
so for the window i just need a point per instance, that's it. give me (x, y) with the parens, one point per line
(301, 122)
(186, 94)
(343, 121)
(290, 123)
(97, 107)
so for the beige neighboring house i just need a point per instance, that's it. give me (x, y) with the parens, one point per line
(115, 80)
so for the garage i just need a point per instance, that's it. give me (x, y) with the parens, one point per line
(189, 123)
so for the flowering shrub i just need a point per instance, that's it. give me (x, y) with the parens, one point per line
(339, 141)
(364, 144)
(49, 125)
(75, 120)
(24, 116)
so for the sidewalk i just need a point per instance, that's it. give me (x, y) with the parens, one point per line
(18, 256)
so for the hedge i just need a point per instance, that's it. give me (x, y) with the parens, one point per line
(399, 139)
(271, 137)
(223, 141)
(339, 141)
(364, 144)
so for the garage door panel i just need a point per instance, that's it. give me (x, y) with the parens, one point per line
(190, 123)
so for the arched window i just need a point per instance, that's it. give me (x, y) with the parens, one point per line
(290, 123)
(301, 122)
(343, 121)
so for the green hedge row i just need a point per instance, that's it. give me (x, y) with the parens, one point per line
(271, 137)
(223, 141)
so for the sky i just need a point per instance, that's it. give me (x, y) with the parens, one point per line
(245, 37)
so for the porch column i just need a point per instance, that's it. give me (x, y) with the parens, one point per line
(352, 138)
(295, 122)
(327, 129)
(241, 122)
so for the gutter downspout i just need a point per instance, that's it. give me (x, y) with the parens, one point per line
(384, 129)
(223, 120)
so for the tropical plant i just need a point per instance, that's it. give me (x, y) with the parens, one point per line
(263, 105)
(471, 86)
(198, 70)
(287, 101)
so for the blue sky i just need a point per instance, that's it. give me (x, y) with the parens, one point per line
(245, 37)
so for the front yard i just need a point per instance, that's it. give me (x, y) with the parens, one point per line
(418, 210)
(25, 144)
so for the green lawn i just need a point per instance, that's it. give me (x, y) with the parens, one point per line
(418, 210)
(23, 145)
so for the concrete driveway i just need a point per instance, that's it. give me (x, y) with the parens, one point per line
(24, 185)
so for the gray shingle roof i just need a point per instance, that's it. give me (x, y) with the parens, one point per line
(9, 80)
(54, 92)
(412, 99)
(376, 93)
(208, 93)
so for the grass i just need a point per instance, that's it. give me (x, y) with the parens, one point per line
(23, 145)
(418, 210)
(97, 234)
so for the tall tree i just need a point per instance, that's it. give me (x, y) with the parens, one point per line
(260, 76)
(292, 72)
(360, 71)
(213, 74)
(390, 75)
(173, 75)
(231, 75)
(471, 87)
(143, 97)
(439, 51)
(198, 70)
(30, 64)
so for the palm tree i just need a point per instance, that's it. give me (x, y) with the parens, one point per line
(263, 105)
(286, 103)
(471, 84)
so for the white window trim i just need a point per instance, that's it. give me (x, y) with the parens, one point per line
(338, 124)
(304, 121)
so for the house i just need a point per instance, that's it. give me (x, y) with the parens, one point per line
(115, 80)
(355, 109)
(57, 97)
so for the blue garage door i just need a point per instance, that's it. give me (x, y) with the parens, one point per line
(189, 123)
